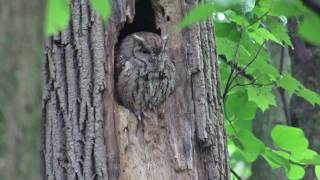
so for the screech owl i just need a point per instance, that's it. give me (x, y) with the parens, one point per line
(145, 73)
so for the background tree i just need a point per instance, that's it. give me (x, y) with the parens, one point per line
(21, 52)
(305, 65)
(265, 121)
(88, 134)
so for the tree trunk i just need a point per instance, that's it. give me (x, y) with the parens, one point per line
(88, 134)
(305, 68)
(21, 51)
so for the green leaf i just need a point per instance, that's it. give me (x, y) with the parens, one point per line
(308, 157)
(199, 13)
(227, 47)
(295, 172)
(309, 29)
(289, 83)
(312, 97)
(203, 11)
(279, 30)
(239, 19)
(259, 63)
(275, 160)
(251, 147)
(232, 34)
(102, 7)
(237, 161)
(244, 124)
(261, 34)
(267, 69)
(283, 7)
(236, 103)
(224, 72)
(262, 96)
(317, 171)
(57, 16)
(289, 138)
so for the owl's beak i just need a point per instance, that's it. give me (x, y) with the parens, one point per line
(164, 42)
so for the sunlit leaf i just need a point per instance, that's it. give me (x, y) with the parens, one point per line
(279, 30)
(295, 172)
(57, 16)
(262, 96)
(261, 34)
(289, 83)
(317, 171)
(275, 160)
(312, 97)
(283, 7)
(289, 138)
(251, 147)
(237, 102)
(102, 7)
(204, 10)
(199, 13)
(306, 157)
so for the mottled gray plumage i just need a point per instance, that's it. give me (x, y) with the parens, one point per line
(145, 72)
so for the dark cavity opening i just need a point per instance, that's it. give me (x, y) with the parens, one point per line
(144, 20)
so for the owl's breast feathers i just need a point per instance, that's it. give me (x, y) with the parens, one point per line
(144, 85)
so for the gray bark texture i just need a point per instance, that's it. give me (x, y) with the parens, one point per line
(88, 134)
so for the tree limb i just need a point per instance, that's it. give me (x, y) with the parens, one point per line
(312, 4)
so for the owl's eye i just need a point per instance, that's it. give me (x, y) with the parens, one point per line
(145, 51)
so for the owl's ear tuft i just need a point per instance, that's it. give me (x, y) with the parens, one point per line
(139, 38)
(142, 42)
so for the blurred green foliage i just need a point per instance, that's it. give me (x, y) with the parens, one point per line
(58, 14)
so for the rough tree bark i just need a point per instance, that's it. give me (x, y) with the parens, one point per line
(89, 135)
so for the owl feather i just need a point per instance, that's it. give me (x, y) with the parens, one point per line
(146, 75)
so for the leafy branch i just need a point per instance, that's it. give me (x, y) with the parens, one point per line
(241, 71)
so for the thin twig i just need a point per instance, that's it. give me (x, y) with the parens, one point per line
(253, 84)
(232, 70)
(237, 68)
(235, 174)
(245, 68)
(259, 18)
(281, 66)
(281, 91)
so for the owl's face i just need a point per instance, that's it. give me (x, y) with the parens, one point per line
(146, 73)
(150, 50)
